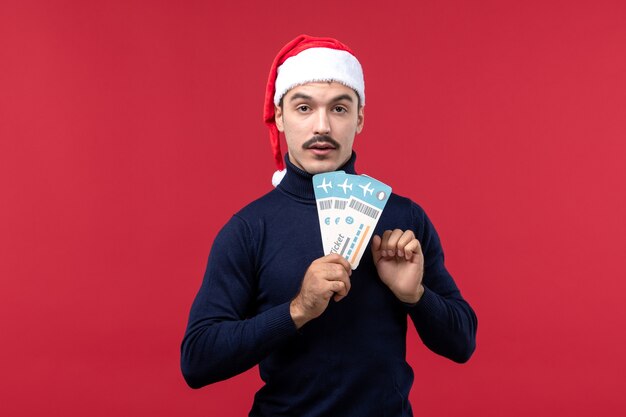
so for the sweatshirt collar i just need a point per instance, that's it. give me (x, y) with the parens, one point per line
(299, 183)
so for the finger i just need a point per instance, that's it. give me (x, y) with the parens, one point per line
(406, 237)
(383, 243)
(392, 242)
(340, 275)
(346, 282)
(336, 272)
(338, 259)
(338, 288)
(413, 248)
(346, 265)
(338, 297)
(376, 241)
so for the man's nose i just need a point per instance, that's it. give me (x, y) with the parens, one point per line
(322, 126)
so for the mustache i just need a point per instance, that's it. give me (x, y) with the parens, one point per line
(320, 139)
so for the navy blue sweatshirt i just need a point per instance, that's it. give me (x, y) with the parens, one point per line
(350, 361)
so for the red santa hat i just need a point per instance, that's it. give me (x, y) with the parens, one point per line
(307, 59)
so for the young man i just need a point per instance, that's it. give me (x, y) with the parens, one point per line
(329, 341)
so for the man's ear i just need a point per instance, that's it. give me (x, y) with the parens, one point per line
(360, 120)
(278, 118)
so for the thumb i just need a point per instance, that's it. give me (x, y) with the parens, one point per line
(376, 241)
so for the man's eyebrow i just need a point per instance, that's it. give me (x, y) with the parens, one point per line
(297, 96)
(347, 97)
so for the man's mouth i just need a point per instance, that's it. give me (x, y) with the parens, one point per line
(321, 143)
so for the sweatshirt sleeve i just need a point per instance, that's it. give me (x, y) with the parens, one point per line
(223, 338)
(444, 320)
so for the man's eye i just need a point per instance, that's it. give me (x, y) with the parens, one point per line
(303, 108)
(340, 109)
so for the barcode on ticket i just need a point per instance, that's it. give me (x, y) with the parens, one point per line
(340, 204)
(326, 204)
(364, 208)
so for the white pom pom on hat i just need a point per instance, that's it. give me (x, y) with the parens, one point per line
(307, 59)
(278, 176)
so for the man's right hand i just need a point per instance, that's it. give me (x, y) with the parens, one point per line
(326, 277)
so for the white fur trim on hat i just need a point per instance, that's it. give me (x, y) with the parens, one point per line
(278, 176)
(320, 64)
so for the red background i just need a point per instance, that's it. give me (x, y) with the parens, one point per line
(125, 127)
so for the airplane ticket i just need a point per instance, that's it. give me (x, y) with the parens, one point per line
(349, 207)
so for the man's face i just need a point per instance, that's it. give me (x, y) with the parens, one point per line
(320, 121)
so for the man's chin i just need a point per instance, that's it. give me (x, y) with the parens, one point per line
(318, 167)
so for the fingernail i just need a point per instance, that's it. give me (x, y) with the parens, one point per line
(383, 253)
(400, 253)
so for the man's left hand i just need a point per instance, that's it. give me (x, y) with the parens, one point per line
(400, 263)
